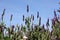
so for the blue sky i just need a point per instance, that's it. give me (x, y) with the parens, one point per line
(18, 8)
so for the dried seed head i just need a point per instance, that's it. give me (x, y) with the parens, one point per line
(37, 14)
(27, 8)
(11, 17)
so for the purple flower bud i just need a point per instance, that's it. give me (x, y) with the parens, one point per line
(55, 13)
(36, 27)
(13, 26)
(3, 14)
(27, 8)
(23, 17)
(37, 14)
(58, 17)
(0, 28)
(43, 26)
(25, 21)
(58, 10)
(32, 17)
(32, 26)
(47, 24)
(40, 21)
(22, 28)
(9, 30)
(53, 22)
(12, 29)
(55, 18)
(18, 28)
(11, 17)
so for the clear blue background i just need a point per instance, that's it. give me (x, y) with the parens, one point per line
(18, 8)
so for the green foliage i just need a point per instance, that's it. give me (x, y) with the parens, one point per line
(33, 32)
